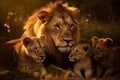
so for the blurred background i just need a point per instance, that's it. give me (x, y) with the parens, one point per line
(97, 17)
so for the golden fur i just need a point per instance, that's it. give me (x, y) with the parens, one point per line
(105, 57)
(79, 55)
(13, 41)
(31, 55)
(57, 71)
(58, 22)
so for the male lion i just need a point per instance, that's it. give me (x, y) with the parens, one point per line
(106, 58)
(31, 55)
(58, 22)
(82, 62)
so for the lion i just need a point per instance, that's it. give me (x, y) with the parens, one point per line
(58, 22)
(31, 55)
(105, 57)
(82, 62)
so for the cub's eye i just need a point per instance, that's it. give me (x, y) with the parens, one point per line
(76, 51)
(57, 27)
(35, 50)
(98, 48)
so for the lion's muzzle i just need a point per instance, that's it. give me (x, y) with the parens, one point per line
(64, 49)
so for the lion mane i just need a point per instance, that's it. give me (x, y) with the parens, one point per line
(58, 22)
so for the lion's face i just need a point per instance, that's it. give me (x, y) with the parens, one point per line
(99, 51)
(34, 48)
(63, 31)
(100, 47)
(79, 52)
(57, 21)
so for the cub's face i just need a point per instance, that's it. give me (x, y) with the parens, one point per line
(79, 52)
(34, 48)
(100, 47)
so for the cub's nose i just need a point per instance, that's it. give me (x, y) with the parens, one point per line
(42, 57)
(70, 55)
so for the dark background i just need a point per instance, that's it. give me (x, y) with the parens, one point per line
(97, 17)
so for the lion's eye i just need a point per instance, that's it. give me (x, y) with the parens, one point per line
(44, 47)
(72, 26)
(57, 27)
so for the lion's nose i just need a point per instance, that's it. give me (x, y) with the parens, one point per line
(67, 39)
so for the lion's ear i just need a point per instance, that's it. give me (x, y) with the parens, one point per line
(94, 40)
(26, 41)
(86, 47)
(75, 12)
(108, 42)
(43, 16)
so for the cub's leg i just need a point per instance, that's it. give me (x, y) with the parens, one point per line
(99, 71)
(25, 68)
(78, 72)
(88, 73)
(108, 72)
(77, 69)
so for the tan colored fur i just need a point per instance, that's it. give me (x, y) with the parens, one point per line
(105, 57)
(31, 55)
(58, 22)
(58, 72)
(79, 55)
(13, 42)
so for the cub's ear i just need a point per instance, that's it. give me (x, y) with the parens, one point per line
(44, 16)
(108, 42)
(86, 47)
(26, 41)
(94, 40)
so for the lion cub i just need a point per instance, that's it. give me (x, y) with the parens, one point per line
(106, 58)
(82, 62)
(31, 56)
